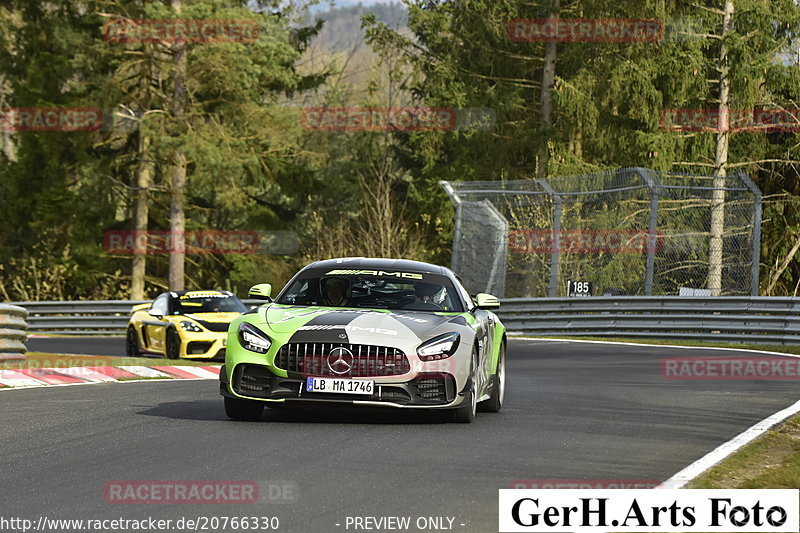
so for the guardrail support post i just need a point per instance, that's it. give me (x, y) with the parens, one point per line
(457, 229)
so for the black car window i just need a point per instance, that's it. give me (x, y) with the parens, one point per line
(208, 303)
(160, 305)
(465, 294)
(430, 293)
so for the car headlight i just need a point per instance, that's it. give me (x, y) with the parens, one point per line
(440, 347)
(190, 326)
(253, 339)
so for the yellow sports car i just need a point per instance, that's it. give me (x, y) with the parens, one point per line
(191, 324)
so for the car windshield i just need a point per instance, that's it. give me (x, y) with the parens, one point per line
(210, 303)
(433, 293)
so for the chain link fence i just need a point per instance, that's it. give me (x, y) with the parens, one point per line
(628, 232)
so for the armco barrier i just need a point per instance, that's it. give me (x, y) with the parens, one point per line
(757, 320)
(83, 317)
(760, 320)
(13, 331)
(79, 318)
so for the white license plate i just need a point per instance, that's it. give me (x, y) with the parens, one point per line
(340, 386)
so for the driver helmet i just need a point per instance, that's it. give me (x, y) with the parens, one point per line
(426, 291)
(335, 291)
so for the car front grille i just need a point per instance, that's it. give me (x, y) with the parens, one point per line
(322, 359)
(256, 381)
(394, 394)
(217, 327)
(252, 380)
(198, 347)
(435, 388)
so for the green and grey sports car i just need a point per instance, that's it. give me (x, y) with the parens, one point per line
(363, 332)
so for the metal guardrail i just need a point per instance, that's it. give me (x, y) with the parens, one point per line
(13, 331)
(755, 320)
(759, 320)
(91, 317)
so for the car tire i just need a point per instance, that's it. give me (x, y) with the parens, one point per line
(132, 343)
(495, 401)
(466, 414)
(243, 409)
(173, 345)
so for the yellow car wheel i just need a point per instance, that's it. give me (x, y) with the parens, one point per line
(131, 343)
(173, 344)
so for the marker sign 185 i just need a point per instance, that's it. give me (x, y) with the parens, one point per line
(579, 289)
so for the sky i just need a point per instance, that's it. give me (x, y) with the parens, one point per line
(347, 3)
(326, 4)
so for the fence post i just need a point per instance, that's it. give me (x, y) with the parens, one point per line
(651, 231)
(554, 255)
(755, 255)
(457, 225)
(493, 286)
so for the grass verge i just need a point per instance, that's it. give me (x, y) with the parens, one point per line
(45, 360)
(770, 462)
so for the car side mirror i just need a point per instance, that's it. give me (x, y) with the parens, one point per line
(156, 313)
(262, 291)
(487, 301)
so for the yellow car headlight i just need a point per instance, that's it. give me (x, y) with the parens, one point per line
(187, 325)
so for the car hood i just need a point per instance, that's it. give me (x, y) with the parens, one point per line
(357, 326)
(213, 317)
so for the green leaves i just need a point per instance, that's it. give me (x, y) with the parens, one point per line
(252, 165)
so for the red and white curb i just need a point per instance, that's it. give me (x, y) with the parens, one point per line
(79, 375)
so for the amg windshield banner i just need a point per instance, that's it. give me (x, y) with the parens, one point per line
(649, 510)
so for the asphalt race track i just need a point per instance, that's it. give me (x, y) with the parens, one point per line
(573, 411)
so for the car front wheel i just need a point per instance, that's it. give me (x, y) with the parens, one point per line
(466, 413)
(173, 350)
(131, 343)
(495, 401)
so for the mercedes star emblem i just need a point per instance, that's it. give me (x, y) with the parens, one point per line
(340, 361)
